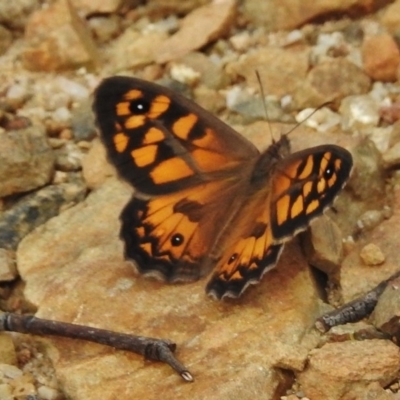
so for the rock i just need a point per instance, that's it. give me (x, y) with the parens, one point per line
(381, 57)
(82, 122)
(390, 17)
(8, 270)
(289, 14)
(391, 158)
(202, 26)
(179, 7)
(26, 160)
(386, 315)
(104, 28)
(385, 237)
(210, 73)
(7, 350)
(281, 70)
(330, 80)
(95, 167)
(15, 14)
(323, 245)
(359, 112)
(88, 7)
(58, 39)
(69, 157)
(350, 366)
(134, 49)
(34, 209)
(74, 271)
(5, 39)
(372, 255)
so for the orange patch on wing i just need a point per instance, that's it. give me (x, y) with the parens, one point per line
(158, 106)
(332, 180)
(312, 206)
(140, 231)
(248, 250)
(307, 188)
(281, 184)
(308, 168)
(171, 170)
(135, 121)
(208, 140)
(120, 142)
(133, 94)
(321, 185)
(297, 207)
(123, 108)
(153, 135)
(144, 155)
(184, 125)
(324, 162)
(282, 208)
(236, 276)
(208, 160)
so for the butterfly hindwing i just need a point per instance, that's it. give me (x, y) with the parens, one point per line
(162, 142)
(172, 236)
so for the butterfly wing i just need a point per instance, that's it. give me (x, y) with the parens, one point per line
(186, 165)
(171, 236)
(162, 142)
(298, 189)
(304, 185)
(248, 253)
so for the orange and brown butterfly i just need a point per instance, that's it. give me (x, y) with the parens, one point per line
(206, 198)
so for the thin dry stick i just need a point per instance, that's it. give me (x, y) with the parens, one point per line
(355, 310)
(152, 349)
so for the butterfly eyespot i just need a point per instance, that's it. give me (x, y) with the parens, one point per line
(139, 106)
(177, 239)
(232, 258)
(329, 171)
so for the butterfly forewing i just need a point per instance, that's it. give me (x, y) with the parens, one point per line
(161, 142)
(304, 185)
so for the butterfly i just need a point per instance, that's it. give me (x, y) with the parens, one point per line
(205, 198)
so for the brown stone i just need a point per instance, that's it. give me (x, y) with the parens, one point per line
(329, 81)
(357, 278)
(202, 26)
(386, 315)
(26, 160)
(8, 270)
(372, 255)
(74, 271)
(87, 7)
(7, 350)
(289, 14)
(58, 39)
(281, 70)
(336, 369)
(381, 57)
(134, 49)
(95, 167)
(324, 247)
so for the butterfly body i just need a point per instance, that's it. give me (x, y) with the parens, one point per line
(205, 198)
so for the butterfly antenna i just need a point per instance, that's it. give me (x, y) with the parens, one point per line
(264, 104)
(308, 116)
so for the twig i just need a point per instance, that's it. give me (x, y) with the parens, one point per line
(152, 349)
(355, 310)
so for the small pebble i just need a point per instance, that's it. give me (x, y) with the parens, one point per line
(372, 255)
